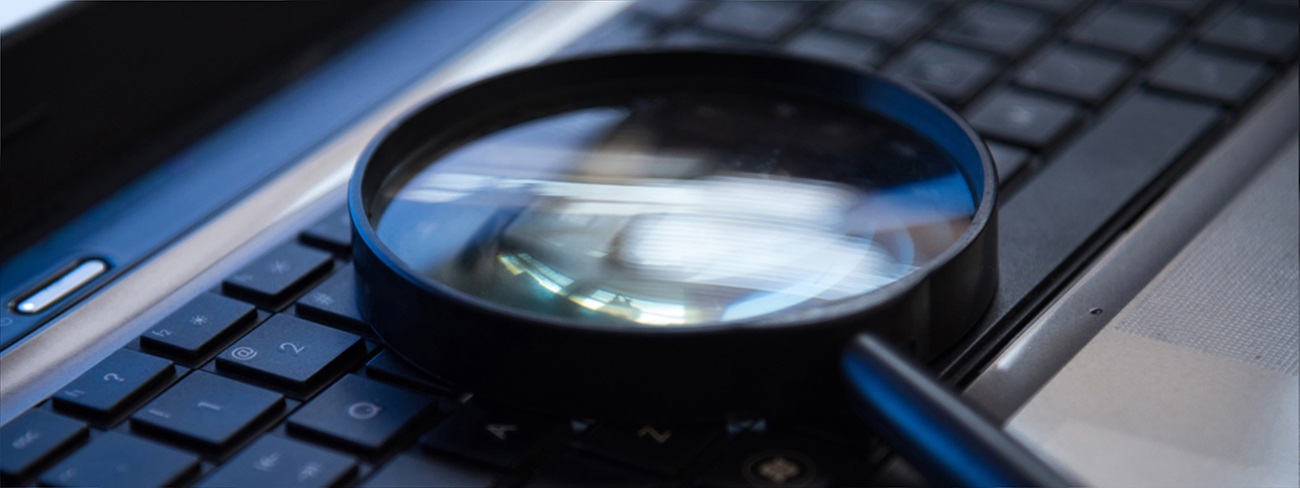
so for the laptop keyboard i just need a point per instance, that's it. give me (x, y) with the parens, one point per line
(273, 379)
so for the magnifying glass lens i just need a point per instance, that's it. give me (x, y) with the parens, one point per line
(675, 208)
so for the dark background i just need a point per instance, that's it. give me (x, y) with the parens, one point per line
(89, 104)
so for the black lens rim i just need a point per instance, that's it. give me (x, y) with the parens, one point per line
(481, 345)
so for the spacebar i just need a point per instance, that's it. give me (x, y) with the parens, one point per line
(1087, 184)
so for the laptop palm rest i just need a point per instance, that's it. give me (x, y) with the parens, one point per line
(1194, 382)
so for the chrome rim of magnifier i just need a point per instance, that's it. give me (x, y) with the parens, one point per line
(759, 363)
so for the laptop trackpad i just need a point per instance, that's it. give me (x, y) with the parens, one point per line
(1195, 381)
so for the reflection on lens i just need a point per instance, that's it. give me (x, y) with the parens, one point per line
(677, 209)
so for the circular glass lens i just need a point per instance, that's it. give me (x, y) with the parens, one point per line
(676, 209)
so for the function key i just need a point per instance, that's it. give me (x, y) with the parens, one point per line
(406, 470)
(334, 302)
(279, 274)
(662, 449)
(208, 410)
(1003, 29)
(1131, 31)
(950, 73)
(763, 21)
(1073, 72)
(276, 461)
(33, 439)
(362, 413)
(892, 21)
(196, 328)
(502, 438)
(333, 233)
(113, 384)
(1022, 118)
(1197, 72)
(114, 460)
(291, 352)
(833, 46)
(1253, 30)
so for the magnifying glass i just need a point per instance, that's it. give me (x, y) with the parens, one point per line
(675, 236)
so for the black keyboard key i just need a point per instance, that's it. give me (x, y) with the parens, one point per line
(114, 459)
(34, 438)
(196, 328)
(1009, 160)
(279, 274)
(334, 302)
(113, 384)
(291, 352)
(1095, 176)
(333, 233)
(842, 48)
(1022, 118)
(1132, 31)
(387, 366)
(892, 21)
(764, 21)
(505, 439)
(208, 410)
(410, 471)
(950, 73)
(1211, 75)
(276, 461)
(1253, 30)
(1067, 70)
(362, 413)
(661, 449)
(768, 460)
(1003, 29)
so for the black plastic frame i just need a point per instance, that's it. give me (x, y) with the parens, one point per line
(665, 373)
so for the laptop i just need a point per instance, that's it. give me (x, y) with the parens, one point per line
(1144, 332)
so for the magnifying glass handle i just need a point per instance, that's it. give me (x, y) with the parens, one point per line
(932, 428)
